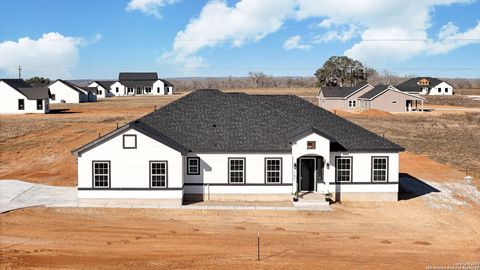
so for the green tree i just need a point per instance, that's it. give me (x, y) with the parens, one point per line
(38, 81)
(343, 71)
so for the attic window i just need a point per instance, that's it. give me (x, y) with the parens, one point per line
(129, 141)
(311, 144)
(394, 101)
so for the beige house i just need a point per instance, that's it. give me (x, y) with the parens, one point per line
(341, 98)
(390, 99)
(381, 97)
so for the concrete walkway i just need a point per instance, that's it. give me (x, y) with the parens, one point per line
(15, 194)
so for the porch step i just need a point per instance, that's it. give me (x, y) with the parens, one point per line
(311, 200)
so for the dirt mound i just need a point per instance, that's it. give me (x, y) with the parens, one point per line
(373, 112)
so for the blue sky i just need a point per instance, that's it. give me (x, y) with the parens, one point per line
(78, 39)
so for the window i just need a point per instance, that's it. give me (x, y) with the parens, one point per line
(129, 141)
(148, 89)
(53, 96)
(236, 170)
(116, 89)
(158, 174)
(311, 144)
(130, 89)
(101, 174)
(344, 169)
(158, 89)
(39, 104)
(352, 103)
(21, 104)
(193, 166)
(394, 101)
(99, 91)
(446, 90)
(439, 90)
(273, 170)
(379, 169)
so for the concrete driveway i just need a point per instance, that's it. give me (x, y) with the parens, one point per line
(16, 194)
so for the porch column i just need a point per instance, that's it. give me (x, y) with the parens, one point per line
(422, 105)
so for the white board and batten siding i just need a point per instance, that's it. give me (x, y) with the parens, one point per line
(9, 102)
(101, 91)
(117, 89)
(130, 169)
(214, 179)
(441, 89)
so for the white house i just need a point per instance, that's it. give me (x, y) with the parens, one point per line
(17, 97)
(426, 86)
(216, 145)
(67, 92)
(104, 88)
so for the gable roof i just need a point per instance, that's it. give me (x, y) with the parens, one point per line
(71, 86)
(167, 83)
(341, 92)
(90, 89)
(411, 85)
(380, 89)
(27, 90)
(137, 76)
(212, 121)
(105, 84)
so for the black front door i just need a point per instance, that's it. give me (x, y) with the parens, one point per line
(307, 174)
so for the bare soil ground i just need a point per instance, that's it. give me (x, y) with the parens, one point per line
(438, 226)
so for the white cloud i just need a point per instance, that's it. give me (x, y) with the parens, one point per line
(52, 55)
(378, 24)
(149, 7)
(341, 35)
(449, 38)
(294, 43)
(219, 24)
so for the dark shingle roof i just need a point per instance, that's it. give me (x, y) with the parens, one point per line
(27, 90)
(105, 84)
(412, 86)
(167, 83)
(375, 91)
(35, 92)
(213, 121)
(90, 89)
(339, 92)
(137, 76)
(137, 83)
(70, 85)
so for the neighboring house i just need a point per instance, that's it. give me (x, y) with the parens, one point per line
(142, 83)
(426, 86)
(217, 145)
(341, 98)
(381, 97)
(67, 92)
(104, 89)
(17, 96)
(390, 99)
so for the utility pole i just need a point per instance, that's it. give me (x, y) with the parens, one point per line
(19, 72)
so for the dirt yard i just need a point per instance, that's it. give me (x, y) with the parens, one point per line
(436, 222)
